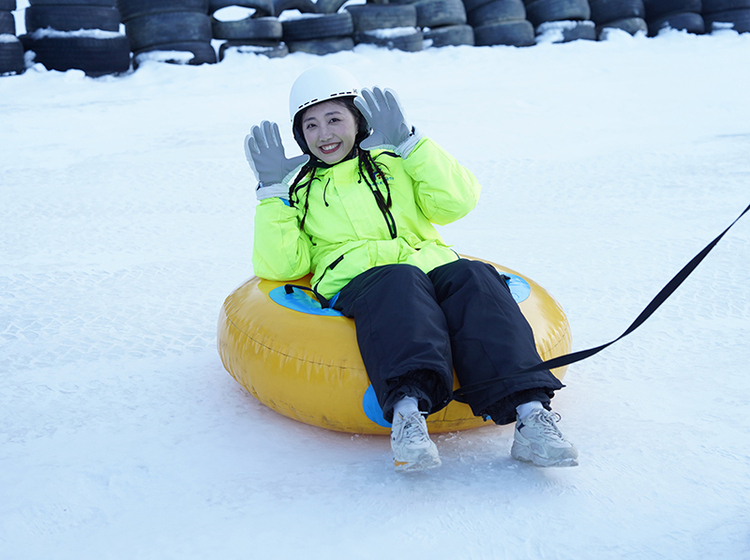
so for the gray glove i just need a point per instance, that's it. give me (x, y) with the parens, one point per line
(386, 118)
(265, 154)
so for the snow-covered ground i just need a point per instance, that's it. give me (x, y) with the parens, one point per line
(126, 218)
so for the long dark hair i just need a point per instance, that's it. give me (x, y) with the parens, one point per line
(370, 170)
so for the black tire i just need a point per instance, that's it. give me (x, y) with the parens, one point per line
(7, 5)
(539, 11)
(437, 13)
(367, 17)
(72, 18)
(7, 24)
(713, 6)
(248, 28)
(569, 30)
(658, 8)
(631, 25)
(131, 9)
(472, 5)
(104, 3)
(203, 53)
(95, 56)
(329, 6)
(739, 18)
(270, 49)
(497, 12)
(450, 36)
(411, 41)
(322, 47)
(320, 27)
(262, 8)
(512, 33)
(685, 21)
(603, 11)
(11, 57)
(302, 6)
(168, 27)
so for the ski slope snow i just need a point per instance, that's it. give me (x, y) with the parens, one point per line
(126, 219)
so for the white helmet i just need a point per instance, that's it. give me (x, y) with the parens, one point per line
(318, 84)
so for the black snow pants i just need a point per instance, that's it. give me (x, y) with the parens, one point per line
(414, 329)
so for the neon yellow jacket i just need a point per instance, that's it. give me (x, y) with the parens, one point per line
(345, 233)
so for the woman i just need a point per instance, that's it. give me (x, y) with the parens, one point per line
(357, 211)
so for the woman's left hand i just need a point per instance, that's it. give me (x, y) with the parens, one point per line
(383, 112)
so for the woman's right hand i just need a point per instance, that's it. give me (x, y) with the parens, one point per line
(265, 154)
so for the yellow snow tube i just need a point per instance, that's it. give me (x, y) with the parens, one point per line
(307, 365)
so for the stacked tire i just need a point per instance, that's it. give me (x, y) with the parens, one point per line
(177, 31)
(393, 26)
(566, 20)
(328, 6)
(726, 14)
(11, 49)
(683, 15)
(443, 23)
(499, 22)
(76, 34)
(626, 15)
(260, 33)
(319, 34)
(302, 6)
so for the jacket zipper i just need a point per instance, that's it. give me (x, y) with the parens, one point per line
(334, 264)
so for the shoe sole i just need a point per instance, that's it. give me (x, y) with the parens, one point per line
(423, 464)
(521, 453)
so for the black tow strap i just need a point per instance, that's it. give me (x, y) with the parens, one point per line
(660, 298)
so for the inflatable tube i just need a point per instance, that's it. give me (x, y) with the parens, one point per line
(303, 361)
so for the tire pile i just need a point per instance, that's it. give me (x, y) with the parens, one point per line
(323, 28)
(85, 34)
(562, 20)
(627, 15)
(176, 31)
(444, 23)
(676, 14)
(723, 14)
(11, 49)
(76, 34)
(319, 33)
(259, 33)
(499, 22)
(317, 30)
(393, 26)
(402, 25)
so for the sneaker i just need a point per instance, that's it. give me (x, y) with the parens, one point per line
(413, 450)
(537, 440)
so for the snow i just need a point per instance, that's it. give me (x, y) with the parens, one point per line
(126, 219)
(233, 13)
(554, 31)
(90, 33)
(181, 57)
(391, 32)
(289, 15)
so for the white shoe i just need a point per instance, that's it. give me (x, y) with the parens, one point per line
(537, 440)
(413, 450)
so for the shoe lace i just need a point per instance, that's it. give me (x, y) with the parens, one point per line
(548, 423)
(413, 430)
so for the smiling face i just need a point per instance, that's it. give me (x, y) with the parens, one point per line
(330, 131)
